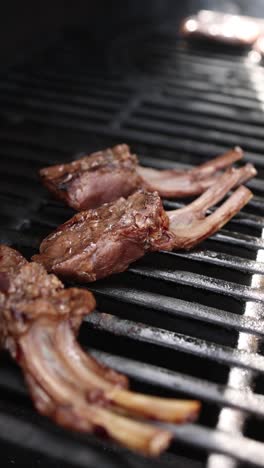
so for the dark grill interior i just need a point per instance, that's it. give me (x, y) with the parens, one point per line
(202, 311)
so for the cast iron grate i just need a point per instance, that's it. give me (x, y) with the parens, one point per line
(187, 324)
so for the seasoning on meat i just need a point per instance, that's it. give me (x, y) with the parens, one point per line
(38, 323)
(105, 176)
(96, 243)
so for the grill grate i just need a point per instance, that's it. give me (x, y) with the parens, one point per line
(187, 324)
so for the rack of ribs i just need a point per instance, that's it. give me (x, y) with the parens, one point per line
(98, 242)
(105, 176)
(39, 320)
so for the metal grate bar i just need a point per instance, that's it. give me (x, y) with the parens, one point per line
(212, 97)
(177, 307)
(30, 105)
(176, 341)
(224, 260)
(14, 93)
(221, 442)
(195, 388)
(212, 135)
(157, 111)
(209, 109)
(195, 280)
(89, 87)
(28, 435)
(158, 376)
(237, 238)
(217, 89)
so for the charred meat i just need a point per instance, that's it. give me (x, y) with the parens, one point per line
(96, 243)
(39, 319)
(105, 176)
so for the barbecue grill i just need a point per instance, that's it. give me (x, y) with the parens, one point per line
(177, 323)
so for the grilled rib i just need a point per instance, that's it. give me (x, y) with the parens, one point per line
(105, 176)
(38, 323)
(96, 243)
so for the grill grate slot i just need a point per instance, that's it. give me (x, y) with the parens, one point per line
(175, 341)
(177, 307)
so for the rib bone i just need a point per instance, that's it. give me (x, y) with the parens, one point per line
(105, 176)
(173, 183)
(190, 225)
(135, 403)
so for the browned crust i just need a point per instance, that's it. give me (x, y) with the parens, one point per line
(96, 243)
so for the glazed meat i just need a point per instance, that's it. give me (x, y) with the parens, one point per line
(38, 323)
(105, 176)
(96, 243)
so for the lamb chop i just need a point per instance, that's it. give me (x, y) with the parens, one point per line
(96, 243)
(105, 176)
(38, 323)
